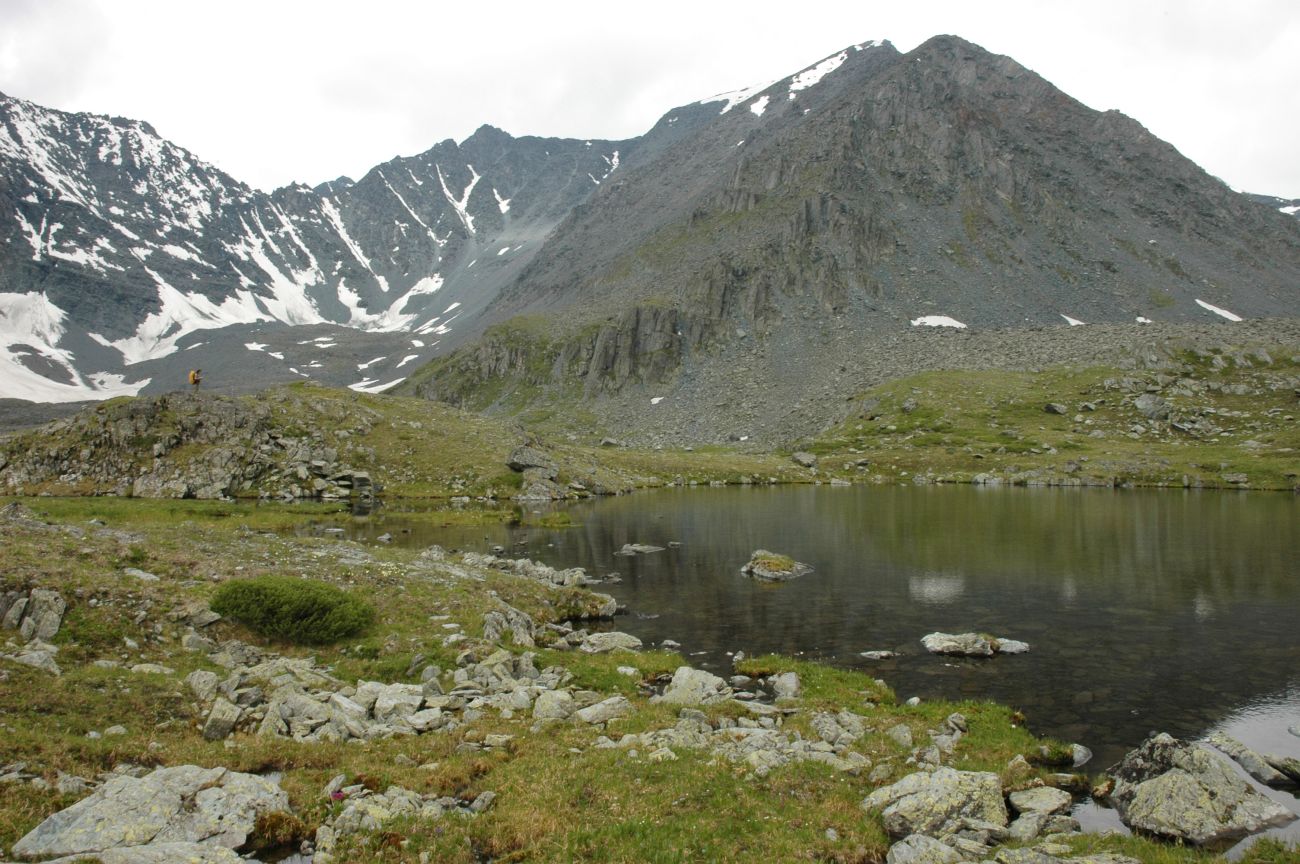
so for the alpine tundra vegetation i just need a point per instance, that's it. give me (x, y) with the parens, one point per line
(890, 268)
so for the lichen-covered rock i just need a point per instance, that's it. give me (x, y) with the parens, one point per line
(1255, 764)
(920, 849)
(1178, 791)
(770, 567)
(185, 804)
(1044, 799)
(936, 803)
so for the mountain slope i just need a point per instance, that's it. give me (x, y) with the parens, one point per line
(944, 186)
(119, 245)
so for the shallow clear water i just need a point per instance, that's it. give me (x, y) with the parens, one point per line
(1176, 611)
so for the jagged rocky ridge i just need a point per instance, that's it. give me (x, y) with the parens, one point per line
(872, 191)
(946, 187)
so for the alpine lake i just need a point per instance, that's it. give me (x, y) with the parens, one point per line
(1145, 610)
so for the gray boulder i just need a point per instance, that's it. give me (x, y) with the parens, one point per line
(203, 684)
(510, 620)
(959, 644)
(1152, 407)
(804, 459)
(44, 615)
(1256, 765)
(920, 849)
(939, 803)
(221, 720)
(1044, 799)
(786, 686)
(1177, 791)
(186, 804)
(602, 712)
(554, 705)
(601, 643)
(694, 687)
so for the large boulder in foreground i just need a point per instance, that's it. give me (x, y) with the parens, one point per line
(771, 567)
(186, 804)
(1178, 791)
(937, 803)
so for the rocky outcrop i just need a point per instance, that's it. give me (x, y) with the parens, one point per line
(180, 446)
(186, 804)
(1177, 791)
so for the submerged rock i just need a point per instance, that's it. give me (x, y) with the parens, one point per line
(631, 549)
(1177, 791)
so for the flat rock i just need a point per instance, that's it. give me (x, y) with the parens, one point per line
(185, 804)
(938, 803)
(879, 655)
(600, 643)
(602, 712)
(630, 549)
(1178, 791)
(1044, 799)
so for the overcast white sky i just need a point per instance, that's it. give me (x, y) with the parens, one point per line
(274, 91)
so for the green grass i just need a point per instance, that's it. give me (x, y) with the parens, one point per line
(967, 423)
(559, 798)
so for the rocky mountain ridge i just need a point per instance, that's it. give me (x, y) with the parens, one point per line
(872, 191)
(947, 188)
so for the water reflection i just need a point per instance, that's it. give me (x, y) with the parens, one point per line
(1166, 610)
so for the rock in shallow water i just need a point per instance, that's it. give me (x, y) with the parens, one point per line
(1177, 791)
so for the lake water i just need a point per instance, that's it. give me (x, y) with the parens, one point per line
(1175, 611)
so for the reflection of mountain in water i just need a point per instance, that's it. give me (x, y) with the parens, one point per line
(1145, 610)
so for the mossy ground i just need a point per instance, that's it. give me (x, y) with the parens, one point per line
(559, 798)
(951, 426)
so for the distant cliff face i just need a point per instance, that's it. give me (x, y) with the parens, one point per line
(871, 192)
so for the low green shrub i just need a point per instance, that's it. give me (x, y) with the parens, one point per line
(294, 610)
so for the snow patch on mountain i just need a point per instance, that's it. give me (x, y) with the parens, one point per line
(811, 76)
(1073, 322)
(1222, 313)
(461, 204)
(937, 321)
(372, 386)
(30, 329)
(180, 314)
(736, 97)
(759, 105)
(503, 204)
